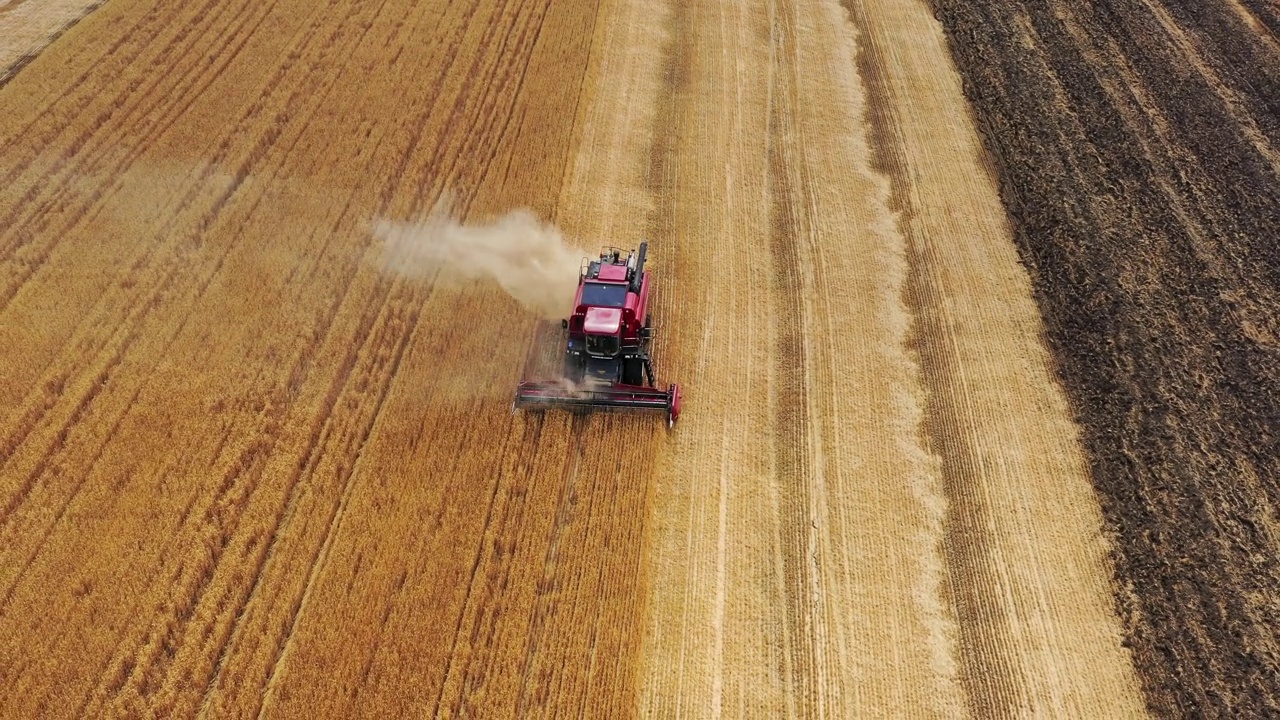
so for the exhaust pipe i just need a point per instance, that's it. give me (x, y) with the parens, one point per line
(638, 276)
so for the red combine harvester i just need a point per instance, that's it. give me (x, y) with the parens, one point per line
(606, 357)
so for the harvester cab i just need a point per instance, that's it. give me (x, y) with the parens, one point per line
(607, 338)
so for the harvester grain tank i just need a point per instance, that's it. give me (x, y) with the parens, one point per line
(607, 363)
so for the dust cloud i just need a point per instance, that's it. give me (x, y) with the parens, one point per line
(528, 258)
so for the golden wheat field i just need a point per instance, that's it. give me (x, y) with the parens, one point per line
(251, 465)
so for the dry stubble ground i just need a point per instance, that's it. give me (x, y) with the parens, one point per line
(243, 471)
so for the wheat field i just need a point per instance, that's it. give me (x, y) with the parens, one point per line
(249, 468)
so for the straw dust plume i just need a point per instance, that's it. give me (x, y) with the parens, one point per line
(529, 259)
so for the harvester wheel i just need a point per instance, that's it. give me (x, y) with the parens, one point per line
(573, 370)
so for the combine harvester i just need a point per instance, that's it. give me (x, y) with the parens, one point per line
(606, 357)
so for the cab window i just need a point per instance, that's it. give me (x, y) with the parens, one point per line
(606, 345)
(603, 295)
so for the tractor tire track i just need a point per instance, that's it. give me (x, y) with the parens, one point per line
(117, 358)
(986, 671)
(24, 34)
(1021, 604)
(142, 266)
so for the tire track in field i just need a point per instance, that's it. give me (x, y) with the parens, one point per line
(580, 647)
(305, 470)
(142, 679)
(308, 455)
(791, 414)
(59, 444)
(986, 670)
(852, 280)
(1204, 220)
(134, 326)
(1029, 580)
(445, 160)
(169, 229)
(824, 595)
(140, 36)
(488, 113)
(138, 677)
(300, 477)
(381, 385)
(59, 175)
(692, 600)
(495, 581)
(454, 668)
(311, 453)
(41, 27)
(143, 266)
(164, 122)
(133, 674)
(1243, 106)
(314, 453)
(543, 682)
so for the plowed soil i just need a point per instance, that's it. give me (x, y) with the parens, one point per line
(1138, 146)
(245, 470)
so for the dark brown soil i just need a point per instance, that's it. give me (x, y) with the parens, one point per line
(1137, 144)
